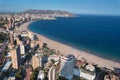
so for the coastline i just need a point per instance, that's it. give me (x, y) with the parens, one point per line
(65, 49)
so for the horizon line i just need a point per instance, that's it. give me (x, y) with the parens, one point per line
(60, 10)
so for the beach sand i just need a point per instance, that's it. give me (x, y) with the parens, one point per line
(65, 49)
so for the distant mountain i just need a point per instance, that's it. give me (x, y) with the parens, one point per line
(3, 12)
(33, 11)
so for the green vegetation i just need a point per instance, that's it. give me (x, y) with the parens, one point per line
(35, 37)
(48, 52)
(2, 58)
(52, 51)
(101, 73)
(3, 55)
(2, 36)
(45, 73)
(61, 78)
(18, 74)
(82, 78)
(34, 74)
(45, 45)
(2, 22)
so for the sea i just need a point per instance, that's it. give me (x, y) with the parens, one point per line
(96, 34)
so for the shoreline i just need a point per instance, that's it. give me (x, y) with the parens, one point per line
(79, 54)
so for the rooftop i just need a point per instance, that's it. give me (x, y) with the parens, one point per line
(41, 75)
(68, 57)
(7, 66)
(90, 67)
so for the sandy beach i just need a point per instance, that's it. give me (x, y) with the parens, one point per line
(65, 49)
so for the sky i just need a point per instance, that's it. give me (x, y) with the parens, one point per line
(105, 7)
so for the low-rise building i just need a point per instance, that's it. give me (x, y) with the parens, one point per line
(11, 76)
(28, 73)
(80, 63)
(54, 57)
(40, 75)
(111, 77)
(88, 72)
(7, 66)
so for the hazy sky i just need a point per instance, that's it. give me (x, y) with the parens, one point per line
(107, 7)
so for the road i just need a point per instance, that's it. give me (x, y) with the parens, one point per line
(5, 43)
(28, 73)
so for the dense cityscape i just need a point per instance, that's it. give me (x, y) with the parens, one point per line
(24, 57)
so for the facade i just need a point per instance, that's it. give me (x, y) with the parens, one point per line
(38, 60)
(52, 74)
(67, 66)
(76, 72)
(22, 48)
(87, 75)
(15, 56)
(35, 44)
(35, 61)
(10, 23)
(111, 77)
(88, 72)
(11, 37)
(17, 41)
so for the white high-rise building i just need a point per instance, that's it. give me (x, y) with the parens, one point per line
(22, 49)
(67, 64)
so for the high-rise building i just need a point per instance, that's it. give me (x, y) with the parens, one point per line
(15, 56)
(10, 23)
(38, 60)
(67, 64)
(13, 22)
(17, 41)
(22, 48)
(35, 61)
(11, 37)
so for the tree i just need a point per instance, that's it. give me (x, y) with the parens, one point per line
(44, 45)
(18, 76)
(61, 78)
(38, 69)
(32, 76)
(45, 73)
(52, 51)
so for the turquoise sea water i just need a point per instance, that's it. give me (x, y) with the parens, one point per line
(99, 35)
